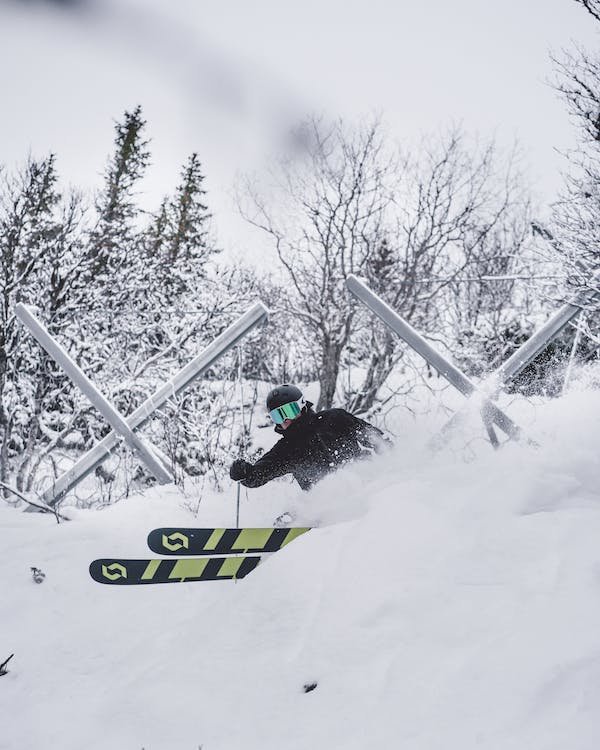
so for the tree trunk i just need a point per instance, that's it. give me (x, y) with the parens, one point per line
(380, 366)
(328, 375)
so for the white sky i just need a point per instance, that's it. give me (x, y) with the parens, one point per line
(227, 79)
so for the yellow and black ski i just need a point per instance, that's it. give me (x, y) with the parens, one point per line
(133, 572)
(183, 541)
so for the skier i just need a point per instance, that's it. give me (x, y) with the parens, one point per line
(312, 444)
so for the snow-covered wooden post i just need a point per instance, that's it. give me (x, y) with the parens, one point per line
(81, 380)
(256, 315)
(492, 413)
(528, 351)
(535, 344)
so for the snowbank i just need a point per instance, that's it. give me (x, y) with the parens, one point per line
(452, 605)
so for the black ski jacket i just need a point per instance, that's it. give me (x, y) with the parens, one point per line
(314, 445)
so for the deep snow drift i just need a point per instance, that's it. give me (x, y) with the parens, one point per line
(450, 605)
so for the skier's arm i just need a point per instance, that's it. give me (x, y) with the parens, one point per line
(272, 465)
(369, 435)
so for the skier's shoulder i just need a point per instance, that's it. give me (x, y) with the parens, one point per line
(279, 449)
(342, 417)
(330, 413)
(336, 416)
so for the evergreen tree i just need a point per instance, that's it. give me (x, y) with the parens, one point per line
(188, 241)
(131, 301)
(112, 238)
(178, 241)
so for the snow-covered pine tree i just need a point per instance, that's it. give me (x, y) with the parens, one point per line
(177, 252)
(117, 278)
(112, 238)
(41, 261)
(189, 300)
(132, 301)
(188, 241)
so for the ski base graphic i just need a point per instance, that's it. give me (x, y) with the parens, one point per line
(122, 572)
(185, 541)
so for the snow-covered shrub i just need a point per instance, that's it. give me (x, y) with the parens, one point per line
(131, 297)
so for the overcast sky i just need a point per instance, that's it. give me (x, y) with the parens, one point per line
(227, 79)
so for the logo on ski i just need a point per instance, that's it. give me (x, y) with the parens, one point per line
(114, 572)
(176, 541)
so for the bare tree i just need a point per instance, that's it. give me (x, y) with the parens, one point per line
(454, 203)
(327, 218)
(592, 6)
(411, 223)
(574, 233)
(575, 226)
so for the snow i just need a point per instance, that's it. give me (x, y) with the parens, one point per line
(440, 604)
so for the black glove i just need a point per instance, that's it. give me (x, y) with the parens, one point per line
(239, 469)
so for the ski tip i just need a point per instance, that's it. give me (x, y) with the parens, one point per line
(108, 571)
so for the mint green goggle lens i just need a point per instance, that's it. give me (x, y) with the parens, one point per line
(287, 411)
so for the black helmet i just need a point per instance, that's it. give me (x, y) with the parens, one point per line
(283, 394)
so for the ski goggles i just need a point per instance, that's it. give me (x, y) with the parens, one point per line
(287, 411)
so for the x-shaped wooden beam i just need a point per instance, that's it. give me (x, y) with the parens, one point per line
(108, 411)
(181, 380)
(492, 413)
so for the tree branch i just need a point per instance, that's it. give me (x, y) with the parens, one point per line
(40, 505)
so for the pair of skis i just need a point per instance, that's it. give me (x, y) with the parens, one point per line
(224, 554)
